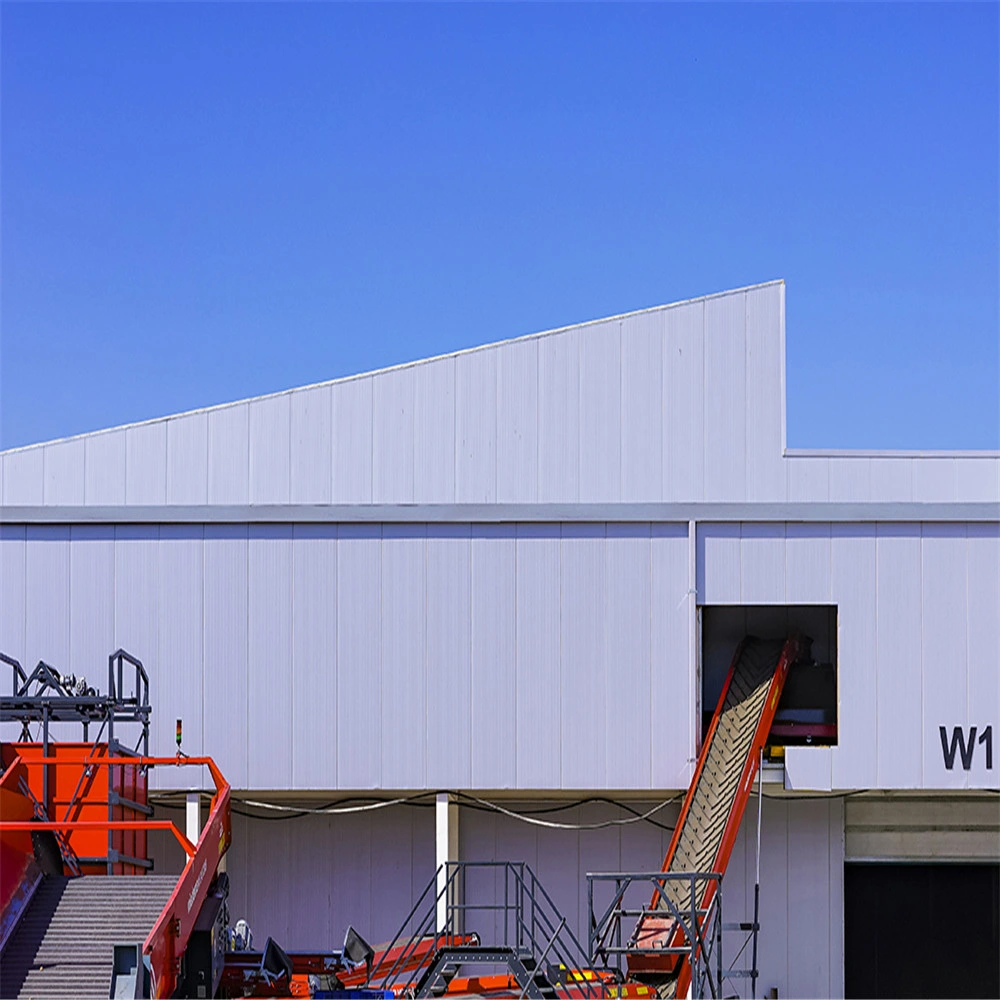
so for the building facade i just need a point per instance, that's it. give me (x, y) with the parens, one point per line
(516, 572)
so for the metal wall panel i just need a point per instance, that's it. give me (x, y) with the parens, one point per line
(891, 480)
(808, 479)
(393, 399)
(766, 479)
(853, 590)
(449, 657)
(538, 683)
(270, 451)
(944, 616)
(359, 655)
(683, 403)
(898, 675)
(311, 464)
(91, 603)
(24, 476)
(762, 564)
(517, 422)
(772, 949)
(146, 463)
(225, 683)
(177, 675)
(229, 454)
(314, 672)
(807, 564)
(933, 480)
(584, 687)
(104, 468)
(642, 409)
(627, 655)
(984, 641)
(559, 416)
(725, 397)
(476, 427)
(673, 689)
(977, 480)
(434, 432)
(494, 656)
(850, 479)
(64, 471)
(404, 681)
(719, 564)
(13, 583)
(269, 655)
(600, 412)
(187, 459)
(352, 441)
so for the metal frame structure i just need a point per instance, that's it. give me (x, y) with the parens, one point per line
(614, 933)
(531, 938)
(46, 696)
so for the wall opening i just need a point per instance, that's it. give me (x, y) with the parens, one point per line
(915, 930)
(807, 712)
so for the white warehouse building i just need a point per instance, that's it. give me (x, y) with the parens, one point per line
(519, 573)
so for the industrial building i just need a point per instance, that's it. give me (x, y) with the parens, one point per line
(515, 577)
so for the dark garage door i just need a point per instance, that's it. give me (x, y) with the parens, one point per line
(916, 930)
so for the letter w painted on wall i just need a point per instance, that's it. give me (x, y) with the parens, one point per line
(964, 749)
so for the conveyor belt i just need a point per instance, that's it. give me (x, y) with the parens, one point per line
(716, 799)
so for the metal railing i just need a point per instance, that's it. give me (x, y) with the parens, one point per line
(520, 926)
(672, 926)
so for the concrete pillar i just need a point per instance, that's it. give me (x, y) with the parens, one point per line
(446, 849)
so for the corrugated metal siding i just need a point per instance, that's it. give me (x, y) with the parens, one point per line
(538, 638)
(434, 432)
(352, 441)
(64, 472)
(766, 478)
(393, 399)
(583, 678)
(983, 644)
(476, 413)
(559, 417)
(600, 412)
(269, 655)
(898, 671)
(494, 656)
(517, 421)
(229, 454)
(314, 673)
(642, 346)
(104, 468)
(630, 408)
(404, 677)
(725, 398)
(311, 462)
(224, 686)
(270, 449)
(91, 602)
(683, 415)
(177, 675)
(359, 656)
(146, 463)
(854, 591)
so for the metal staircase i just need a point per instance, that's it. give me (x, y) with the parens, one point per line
(64, 943)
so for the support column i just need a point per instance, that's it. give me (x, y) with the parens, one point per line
(446, 849)
(192, 817)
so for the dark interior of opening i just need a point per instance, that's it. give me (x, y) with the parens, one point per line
(807, 711)
(913, 930)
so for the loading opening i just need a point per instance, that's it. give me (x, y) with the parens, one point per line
(807, 710)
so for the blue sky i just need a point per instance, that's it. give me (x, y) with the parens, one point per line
(207, 202)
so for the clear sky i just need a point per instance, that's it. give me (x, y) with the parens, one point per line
(206, 202)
